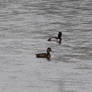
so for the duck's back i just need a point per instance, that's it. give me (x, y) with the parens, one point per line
(41, 55)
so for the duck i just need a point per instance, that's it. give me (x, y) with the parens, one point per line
(58, 38)
(45, 55)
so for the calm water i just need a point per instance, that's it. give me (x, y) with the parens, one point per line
(25, 26)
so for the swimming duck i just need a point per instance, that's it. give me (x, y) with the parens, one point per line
(45, 55)
(58, 38)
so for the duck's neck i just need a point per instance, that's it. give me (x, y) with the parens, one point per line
(48, 53)
(60, 39)
(59, 36)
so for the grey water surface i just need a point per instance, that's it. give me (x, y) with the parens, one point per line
(25, 26)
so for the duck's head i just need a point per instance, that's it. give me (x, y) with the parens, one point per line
(49, 49)
(59, 35)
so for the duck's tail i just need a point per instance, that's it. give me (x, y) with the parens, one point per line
(37, 55)
(49, 39)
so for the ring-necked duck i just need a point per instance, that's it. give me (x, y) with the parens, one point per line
(45, 55)
(58, 38)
